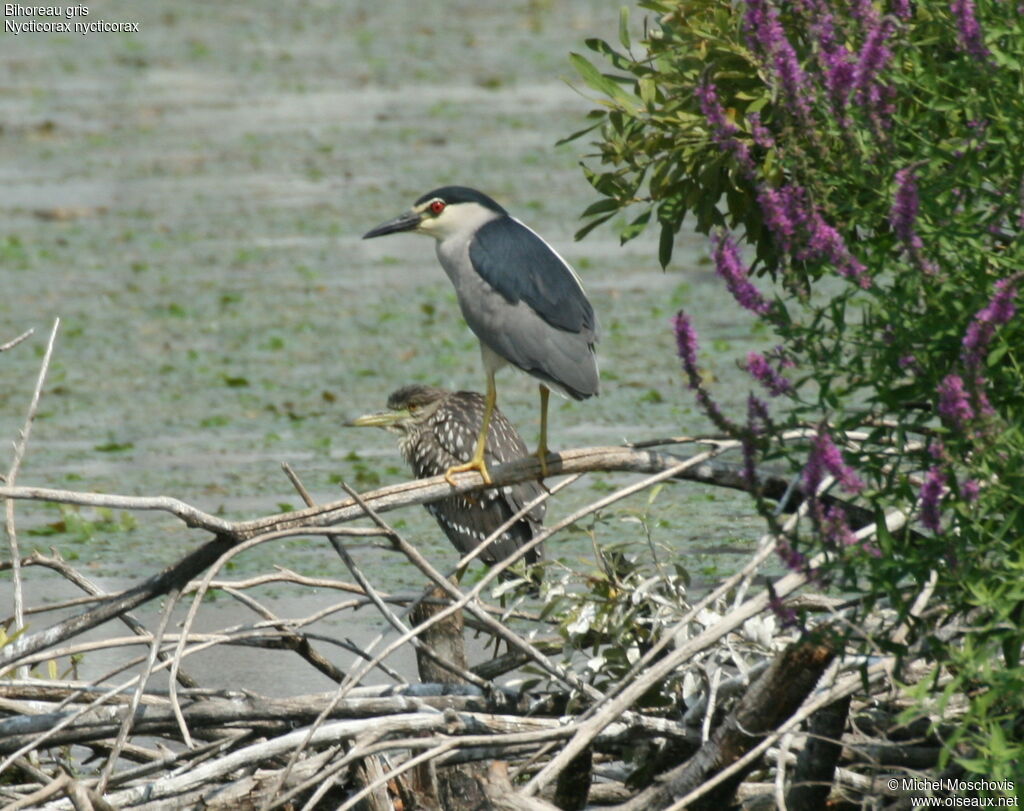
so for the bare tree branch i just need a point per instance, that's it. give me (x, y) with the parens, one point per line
(12, 474)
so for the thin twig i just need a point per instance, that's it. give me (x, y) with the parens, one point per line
(303, 645)
(15, 341)
(460, 601)
(59, 565)
(293, 477)
(419, 491)
(35, 798)
(147, 671)
(846, 687)
(12, 474)
(465, 600)
(599, 716)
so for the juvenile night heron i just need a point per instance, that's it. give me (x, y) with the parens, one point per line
(523, 301)
(436, 431)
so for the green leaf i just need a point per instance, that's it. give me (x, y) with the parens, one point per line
(624, 26)
(997, 354)
(600, 82)
(577, 134)
(648, 89)
(636, 227)
(601, 207)
(665, 243)
(590, 226)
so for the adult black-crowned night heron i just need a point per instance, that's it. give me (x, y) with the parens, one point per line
(437, 430)
(523, 301)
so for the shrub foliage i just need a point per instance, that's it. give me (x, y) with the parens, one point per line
(859, 169)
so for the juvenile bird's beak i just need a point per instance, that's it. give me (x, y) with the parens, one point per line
(408, 221)
(381, 419)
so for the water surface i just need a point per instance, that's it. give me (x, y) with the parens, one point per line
(189, 201)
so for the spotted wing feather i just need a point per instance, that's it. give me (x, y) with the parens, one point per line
(468, 520)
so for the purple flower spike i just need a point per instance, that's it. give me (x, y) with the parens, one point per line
(822, 25)
(757, 422)
(786, 615)
(969, 35)
(777, 206)
(759, 132)
(932, 492)
(874, 55)
(731, 268)
(1001, 308)
(954, 402)
(793, 560)
(799, 229)
(825, 242)
(761, 370)
(723, 133)
(713, 111)
(686, 346)
(765, 34)
(836, 530)
(825, 456)
(905, 205)
(970, 490)
(976, 339)
(864, 12)
(903, 215)
(999, 311)
(901, 8)
(840, 76)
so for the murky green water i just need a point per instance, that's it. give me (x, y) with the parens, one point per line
(189, 201)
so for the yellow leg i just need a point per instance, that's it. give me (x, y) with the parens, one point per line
(477, 462)
(542, 446)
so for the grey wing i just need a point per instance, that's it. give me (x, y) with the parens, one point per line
(536, 315)
(521, 266)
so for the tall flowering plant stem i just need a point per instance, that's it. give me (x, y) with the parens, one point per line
(858, 168)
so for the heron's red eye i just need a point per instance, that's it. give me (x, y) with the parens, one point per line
(437, 206)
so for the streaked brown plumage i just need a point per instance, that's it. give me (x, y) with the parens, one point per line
(438, 429)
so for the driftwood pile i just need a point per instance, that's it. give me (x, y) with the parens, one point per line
(748, 712)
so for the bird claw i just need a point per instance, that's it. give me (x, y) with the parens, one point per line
(479, 465)
(542, 457)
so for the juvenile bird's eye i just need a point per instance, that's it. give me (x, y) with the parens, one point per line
(437, 206)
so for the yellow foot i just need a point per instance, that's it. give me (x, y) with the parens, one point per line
(478, 465)
(542, 456)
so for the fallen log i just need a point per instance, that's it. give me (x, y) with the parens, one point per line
(773, 698)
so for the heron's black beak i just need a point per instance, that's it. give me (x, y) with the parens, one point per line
(403, 222)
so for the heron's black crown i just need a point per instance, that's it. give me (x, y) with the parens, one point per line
(462, 194)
